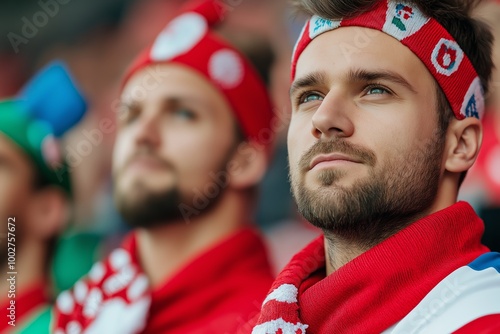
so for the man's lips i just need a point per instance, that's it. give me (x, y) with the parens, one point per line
(146, 163)
(331, 159)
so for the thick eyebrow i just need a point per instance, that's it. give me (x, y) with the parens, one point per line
(360, 75)
(369, 76)
(311, 79)
(189, 100)
(172, 101)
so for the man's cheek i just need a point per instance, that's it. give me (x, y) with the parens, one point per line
(120, 153)
(294, 151)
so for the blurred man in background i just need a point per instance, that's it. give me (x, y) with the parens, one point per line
(34, 194)
(192, 145)
(387, 99)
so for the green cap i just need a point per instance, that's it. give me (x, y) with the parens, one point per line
(47, 107)
(35, 138)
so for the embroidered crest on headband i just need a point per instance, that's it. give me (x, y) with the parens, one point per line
(426, 38)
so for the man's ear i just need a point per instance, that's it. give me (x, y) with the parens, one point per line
(463, 141)
(248, 165)
(48, 213)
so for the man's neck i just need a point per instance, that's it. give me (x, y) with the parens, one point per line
(165, 249)
(339, 252)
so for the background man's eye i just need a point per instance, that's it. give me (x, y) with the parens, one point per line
(127, 115)
(185, 114)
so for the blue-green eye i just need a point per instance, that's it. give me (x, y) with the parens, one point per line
(309, 97)
(376, 90)
(185, 114)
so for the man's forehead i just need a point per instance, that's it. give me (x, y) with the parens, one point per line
(353, 44)
(167, 99)
(342, 52)
(9, 151)
(168, 83)
(6, 145)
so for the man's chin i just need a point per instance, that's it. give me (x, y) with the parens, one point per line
(326, 192)
(141, 207)
(140, 188)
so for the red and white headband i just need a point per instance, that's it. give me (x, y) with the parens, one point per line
(426, 38)
(189, 40)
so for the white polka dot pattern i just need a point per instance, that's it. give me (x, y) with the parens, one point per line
(226, 68)
(65, 302)
(180, 36)
(119, 258)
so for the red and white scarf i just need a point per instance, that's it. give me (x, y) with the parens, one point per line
(216, 293)
(378, 288)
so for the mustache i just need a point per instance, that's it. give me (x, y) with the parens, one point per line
(338, 146)
(146, 153)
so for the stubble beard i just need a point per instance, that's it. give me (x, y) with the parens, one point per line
(373, 207)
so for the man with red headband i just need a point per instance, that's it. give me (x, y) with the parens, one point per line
(192, 144)
(387, 98)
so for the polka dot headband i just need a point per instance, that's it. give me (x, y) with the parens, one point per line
(426, 38)
(188, 40)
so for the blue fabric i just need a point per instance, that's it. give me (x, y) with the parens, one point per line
(485, 261)
(52, 96)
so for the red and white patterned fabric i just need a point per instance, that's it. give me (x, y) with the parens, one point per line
(434, 267)
(426, 38)
(216, 293)
(188, 40)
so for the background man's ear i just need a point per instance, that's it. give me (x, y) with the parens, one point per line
(48, 213)
(463, 141)
(248, 165)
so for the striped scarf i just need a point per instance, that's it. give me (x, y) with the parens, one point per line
(389, 282)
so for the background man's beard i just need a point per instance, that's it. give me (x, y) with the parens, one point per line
(151, 209)
(155, 209)
(375, 207)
